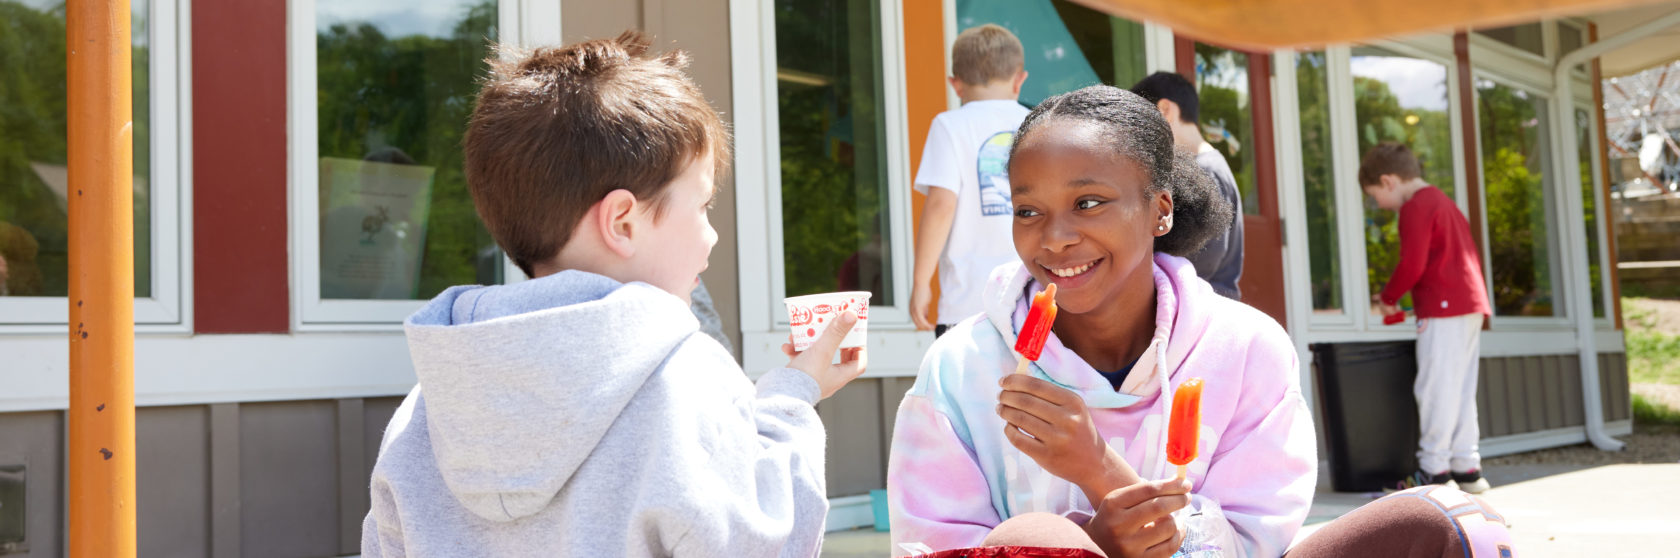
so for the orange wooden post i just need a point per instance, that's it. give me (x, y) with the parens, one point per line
(101, 153)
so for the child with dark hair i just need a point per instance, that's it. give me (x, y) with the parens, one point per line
(1073, 453)
(582, 413)
(1220, 260)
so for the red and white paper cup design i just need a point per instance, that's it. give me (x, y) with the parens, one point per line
(810, 315)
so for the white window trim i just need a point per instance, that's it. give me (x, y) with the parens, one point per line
(895, 346)
(1561, 292)
(519, 21)
(1606, 289)
(166, 310)
(1292, 183)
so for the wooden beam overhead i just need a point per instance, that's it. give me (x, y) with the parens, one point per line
(1274, 24)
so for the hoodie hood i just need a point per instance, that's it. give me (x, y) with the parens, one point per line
(1178, 327)
(516, 391)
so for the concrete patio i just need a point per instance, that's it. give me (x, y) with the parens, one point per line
(1554, 510)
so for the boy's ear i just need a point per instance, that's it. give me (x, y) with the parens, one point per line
(1389, 181)
(615, 219)
(1020, 78)
(957, 85)
(1168, 109)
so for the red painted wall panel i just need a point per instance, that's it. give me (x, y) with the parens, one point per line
(240, 274)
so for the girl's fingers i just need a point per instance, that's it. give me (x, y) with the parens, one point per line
(1033, 426)
(1168, 546)
(1022, 441)
(1041, 389)
(1032, 405)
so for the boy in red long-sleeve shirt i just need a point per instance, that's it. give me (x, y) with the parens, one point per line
(1440, 267)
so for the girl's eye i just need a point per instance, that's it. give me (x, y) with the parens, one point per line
(1024, 213)
(1087, 204)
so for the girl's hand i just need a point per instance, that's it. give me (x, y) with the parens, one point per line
(1053, 427)
(1136, 521)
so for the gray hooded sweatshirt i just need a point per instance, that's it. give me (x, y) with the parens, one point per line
(574, 415)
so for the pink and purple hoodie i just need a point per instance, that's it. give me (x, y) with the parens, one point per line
(952, 476)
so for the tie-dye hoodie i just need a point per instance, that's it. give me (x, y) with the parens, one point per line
(953, 476)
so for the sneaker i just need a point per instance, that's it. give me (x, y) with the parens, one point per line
(1420, 478)
(1471, 481)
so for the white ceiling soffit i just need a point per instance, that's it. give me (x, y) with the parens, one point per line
(1655, 50)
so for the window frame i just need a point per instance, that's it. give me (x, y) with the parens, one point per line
(523, 22)
(166, 310)
(1606, 289)
(1349, 197)
(895, 345)
(1287, 115)
(1561, 294)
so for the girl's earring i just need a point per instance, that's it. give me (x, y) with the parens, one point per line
(1160, 227)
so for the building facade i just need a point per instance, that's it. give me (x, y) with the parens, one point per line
(299, 192)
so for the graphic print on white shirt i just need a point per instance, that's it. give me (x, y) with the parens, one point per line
(993, 165)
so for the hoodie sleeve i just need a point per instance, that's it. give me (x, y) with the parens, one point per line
(773, 497)
(936, 492)
(1263, 472)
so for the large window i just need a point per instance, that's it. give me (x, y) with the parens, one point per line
(34, 181)
(396, 85)
(1319, 177)
(1515, 154)
(836, 225)
(1068, 46)
(1227, 116)
(1402, 99)
(34, 176)
(388, 219)
(1587, 154)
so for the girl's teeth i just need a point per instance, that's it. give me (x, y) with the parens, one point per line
(1070, 272)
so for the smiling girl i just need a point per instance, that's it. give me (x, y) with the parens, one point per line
(1105, 209)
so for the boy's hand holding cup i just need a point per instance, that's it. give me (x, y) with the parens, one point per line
(821, 325)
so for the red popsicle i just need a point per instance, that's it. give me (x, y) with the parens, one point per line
(1186, 424)
(1036, 328)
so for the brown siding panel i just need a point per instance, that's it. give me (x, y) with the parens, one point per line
(1555, 390)
(1484, 408)
(853, 418)
(36, 441)
(1534, 390)
(288, 470)
(1498, 415)
(1613, 382)
(1574, 408)
(172, 463)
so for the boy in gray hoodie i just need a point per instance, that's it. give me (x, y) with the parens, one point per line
(581, 413)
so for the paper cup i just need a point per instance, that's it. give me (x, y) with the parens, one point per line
(810, 315)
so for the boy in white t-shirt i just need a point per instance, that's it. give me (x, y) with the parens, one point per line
(966, 223)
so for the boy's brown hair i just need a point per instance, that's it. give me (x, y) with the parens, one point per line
(985, 54)
(1388, 158)
(557, 129)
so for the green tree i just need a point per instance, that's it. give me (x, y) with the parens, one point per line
(1513, 159)
(34, 130)
(1319, 180)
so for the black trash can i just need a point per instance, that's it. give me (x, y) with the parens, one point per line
(1368, 412)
